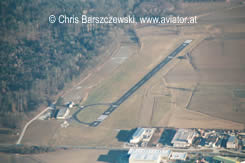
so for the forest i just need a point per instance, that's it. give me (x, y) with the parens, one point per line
(38, 58)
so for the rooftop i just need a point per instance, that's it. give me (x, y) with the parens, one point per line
(232, 139)
(138, 132)
(178, 155)
(182, 135)
(62, 112)
(148, 154)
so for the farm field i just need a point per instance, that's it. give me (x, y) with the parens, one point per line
(216, 70)
(186, 93)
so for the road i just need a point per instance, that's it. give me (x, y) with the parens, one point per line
(124, 97)
(74, 116)
(204, 150)
(28, 123)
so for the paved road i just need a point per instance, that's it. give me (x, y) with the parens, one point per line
(28, 123)
(124, 97)
(204, 150)
(74, 116)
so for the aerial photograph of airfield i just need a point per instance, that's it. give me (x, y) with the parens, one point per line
(163, 93)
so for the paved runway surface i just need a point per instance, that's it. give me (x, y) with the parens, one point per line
(124, 97)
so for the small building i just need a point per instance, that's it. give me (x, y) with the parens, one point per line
(146, 155)
(148, 134)
(178, 156)
(63, 113)
(218, 143)
(211, 140)
(183, 137)
(243, 143)
(70, 104)
(46, 115)
(232, 142)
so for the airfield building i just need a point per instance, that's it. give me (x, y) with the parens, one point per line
(183, 138)
(70, 104)
(145, 155)
(137, 136)
(46, 115)
(63, 113)
(142, 134)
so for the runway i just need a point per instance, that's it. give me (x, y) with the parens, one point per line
(125, 96)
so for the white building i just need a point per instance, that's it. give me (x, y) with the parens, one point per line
(183, 137)
(232, 142)
(142, 134)
(138, 135)
(70, 104)
(178, 156)
(63, 113)
(146, 155)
